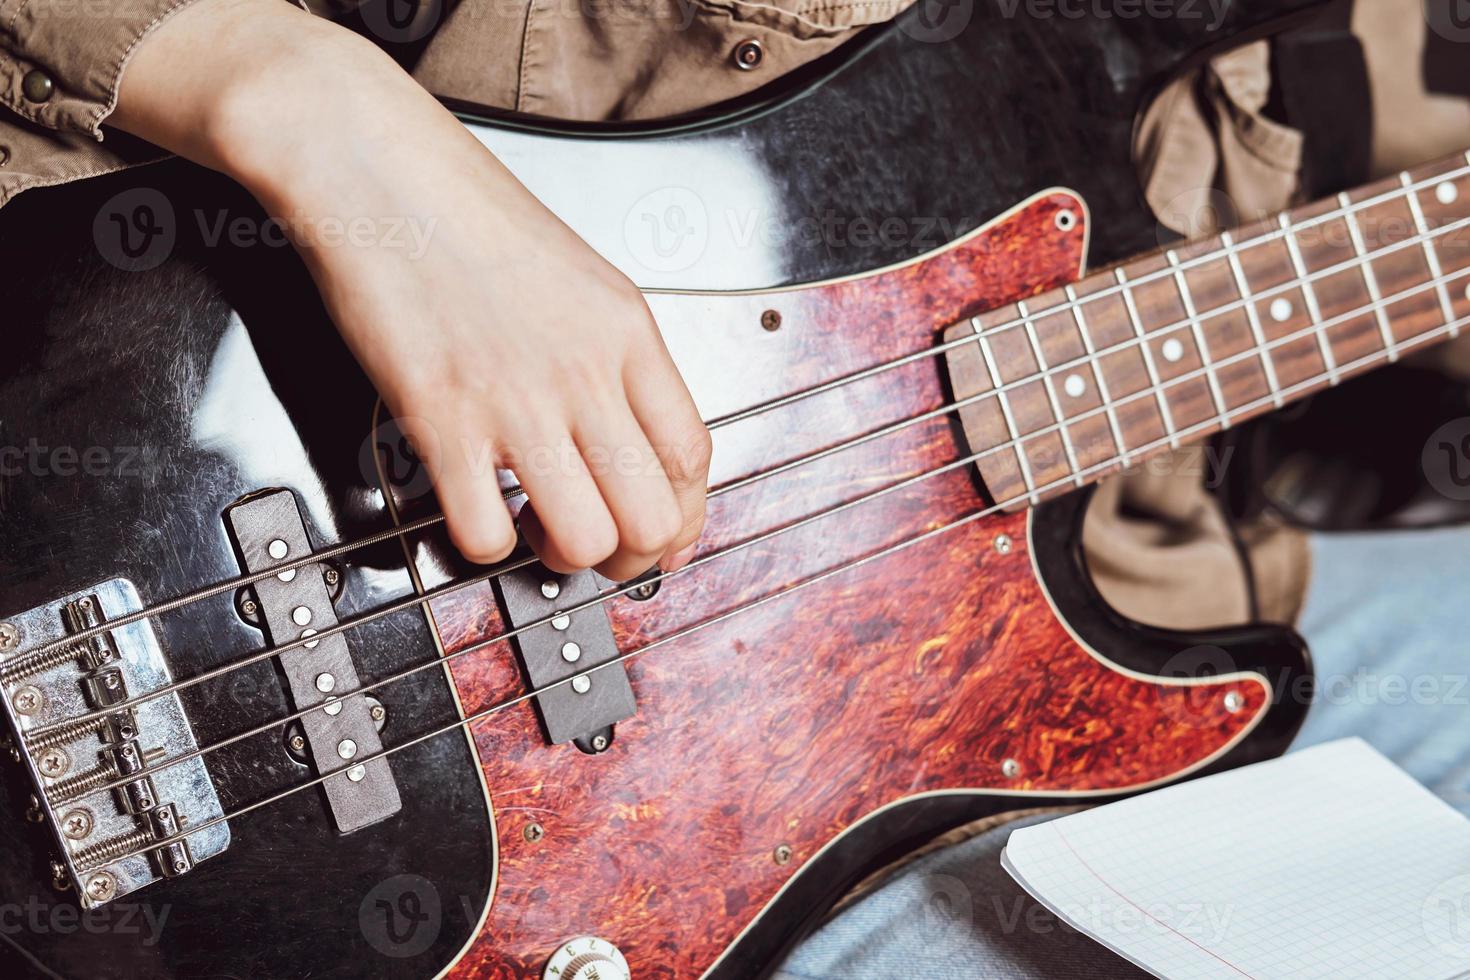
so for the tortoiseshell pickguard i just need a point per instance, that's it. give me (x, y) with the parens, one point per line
(920, 672)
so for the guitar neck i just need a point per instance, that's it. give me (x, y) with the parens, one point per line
(1167, 349)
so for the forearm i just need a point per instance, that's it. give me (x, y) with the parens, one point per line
(281, 100)
(482, 333)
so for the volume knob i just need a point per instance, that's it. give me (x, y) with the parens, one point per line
(587, 958)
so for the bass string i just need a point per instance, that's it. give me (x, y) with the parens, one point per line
(1073, 305)
(603, 597)
(429, 521)
(452, 587)
(693, 628)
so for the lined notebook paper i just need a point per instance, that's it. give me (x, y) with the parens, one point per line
(1331, 862)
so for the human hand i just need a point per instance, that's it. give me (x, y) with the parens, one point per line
(501, 336)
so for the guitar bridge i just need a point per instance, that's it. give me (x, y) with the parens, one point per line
(56, 704)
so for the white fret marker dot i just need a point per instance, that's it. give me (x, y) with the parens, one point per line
(1172, 350)
(1074, 386)
(1446, 193)
(1281, 309)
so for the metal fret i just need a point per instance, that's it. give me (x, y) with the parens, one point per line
(1431, 255)
(1148, 358)
(1051, 393)
(1005, 411)
(1199, 338)
(1313, 310)
(1371, 280)
(1252, 318)
(1102, 385)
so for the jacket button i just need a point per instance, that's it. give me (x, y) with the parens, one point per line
(36, 86)
(749, 54)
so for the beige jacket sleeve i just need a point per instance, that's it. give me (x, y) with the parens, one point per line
(61, 62)
(60, 65)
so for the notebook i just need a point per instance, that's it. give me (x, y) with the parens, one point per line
(1331, 862)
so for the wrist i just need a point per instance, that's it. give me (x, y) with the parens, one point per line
(279, 116)
(238, 85)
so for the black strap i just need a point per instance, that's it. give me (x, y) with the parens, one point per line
(1320, 87)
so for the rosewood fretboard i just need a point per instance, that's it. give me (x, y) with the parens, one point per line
(1062, 388)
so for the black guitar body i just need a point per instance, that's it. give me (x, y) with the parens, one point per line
(158, 367)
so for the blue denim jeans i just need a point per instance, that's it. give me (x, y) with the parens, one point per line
(1385, 619)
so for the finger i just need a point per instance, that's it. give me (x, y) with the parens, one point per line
(633, 486)
(664, 408)
(479, 522)
(567, 522)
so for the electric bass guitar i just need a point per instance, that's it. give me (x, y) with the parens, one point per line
(264, 722)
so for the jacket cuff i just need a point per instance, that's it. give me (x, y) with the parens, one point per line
(61, 60)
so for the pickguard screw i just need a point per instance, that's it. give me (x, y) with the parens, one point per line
(34, 812)
(53, 763)
(1010, 768)
(1003, 544)
(533, 832)
(377, 712)
(60, 880)
(1234, 702)
(298, 743)
(77, 824)
(782, 854)
(101, 886)
(644, 591)
(771, 320)
(9, 636)
(331, 576)
(248, 608)
(599, 743)
(28, 700)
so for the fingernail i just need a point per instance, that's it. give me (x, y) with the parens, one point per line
(680, 559)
